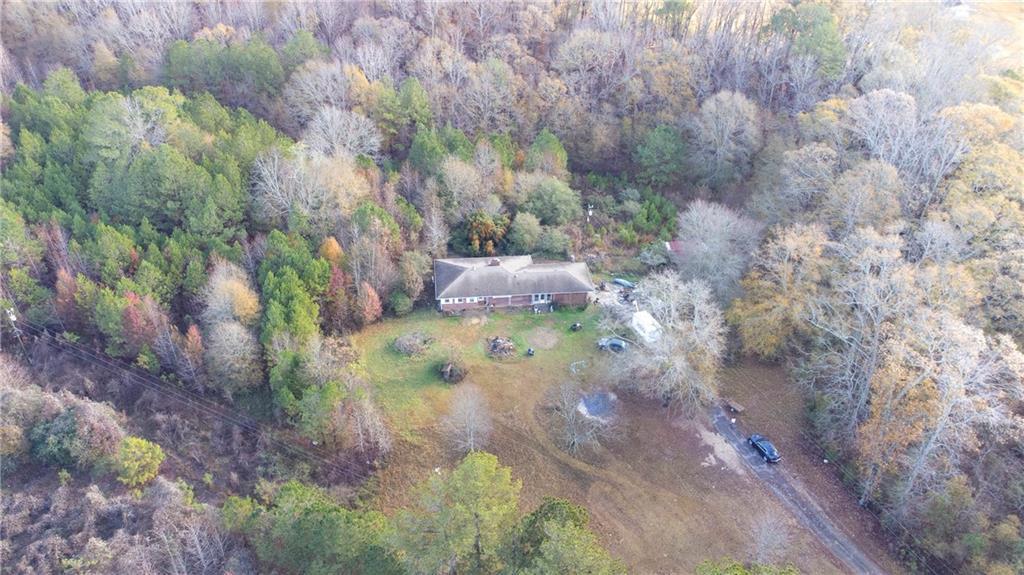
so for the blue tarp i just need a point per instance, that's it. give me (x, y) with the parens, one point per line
(598, 405)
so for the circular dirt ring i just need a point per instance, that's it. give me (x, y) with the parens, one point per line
(543, 338)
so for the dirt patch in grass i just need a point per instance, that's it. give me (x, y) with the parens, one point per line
(474, 318)
(542, 338)
(654, 503)
(722, 454)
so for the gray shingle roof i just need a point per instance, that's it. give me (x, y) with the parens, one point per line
(513, 275)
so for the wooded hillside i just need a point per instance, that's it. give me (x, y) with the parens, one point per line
(220, 192)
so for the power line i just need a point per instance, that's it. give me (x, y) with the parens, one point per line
(906, 532)
(263, 432)
(346, 468)
(914, 550)
(846, 473)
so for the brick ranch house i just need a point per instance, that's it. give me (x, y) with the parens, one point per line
(509, 282)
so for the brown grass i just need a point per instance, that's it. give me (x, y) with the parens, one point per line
(653, 504)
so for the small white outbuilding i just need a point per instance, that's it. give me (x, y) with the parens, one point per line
(646, 327)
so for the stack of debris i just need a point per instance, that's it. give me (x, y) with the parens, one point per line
(453, 371)
(500, 347)
(412, 344)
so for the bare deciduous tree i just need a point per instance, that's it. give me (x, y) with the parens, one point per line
(873, 289)
(925, 150)
(941, 383)
(334, 131)
(576, 430)
(193, 544)
(488, 102)
(468, 423)
(866, 195)
(229, 296)
(370, 432)
(466, 191)
(232, 357)
(435, 228)
(314, 85)
(727, 133)
(369, 257)
(717, 246)
(682, 365)
(179, 353)
(594, 64)
(381, 46)
(317, 187)
(805, 175)
(939, 241)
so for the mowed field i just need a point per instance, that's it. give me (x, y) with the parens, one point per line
(665, 494)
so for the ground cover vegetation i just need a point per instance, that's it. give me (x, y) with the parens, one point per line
(222, 194)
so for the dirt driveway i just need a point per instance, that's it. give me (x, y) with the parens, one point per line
(796, 498)
(665, 494)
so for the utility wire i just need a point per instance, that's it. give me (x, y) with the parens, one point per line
(262, 432)
(345, 467)
(915, 550)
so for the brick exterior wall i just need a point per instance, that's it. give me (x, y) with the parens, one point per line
(457, 307)
(518, 301)
(570, 299)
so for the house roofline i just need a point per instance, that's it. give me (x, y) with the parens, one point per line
(518, 294)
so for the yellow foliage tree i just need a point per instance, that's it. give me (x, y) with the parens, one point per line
(138, 461)
(331, 251)
(902, 407)
(229, 296)
(784, 278)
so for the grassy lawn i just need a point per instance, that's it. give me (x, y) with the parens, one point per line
(657, 497)
(410, 389)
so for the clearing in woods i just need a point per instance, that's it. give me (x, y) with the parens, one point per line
(665, 494)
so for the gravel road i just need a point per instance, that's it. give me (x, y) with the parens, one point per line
(790, 491)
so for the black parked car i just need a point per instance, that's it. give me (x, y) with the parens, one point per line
(761, 444)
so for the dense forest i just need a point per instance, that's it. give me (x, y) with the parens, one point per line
(220, 193)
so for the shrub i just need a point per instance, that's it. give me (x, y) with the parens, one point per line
(12, 441)
(138, 461)
(53, 441)
(413, 343)
(553, 202)
(524, 234)
(239, 514)
(400, 303)
(554, 242)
